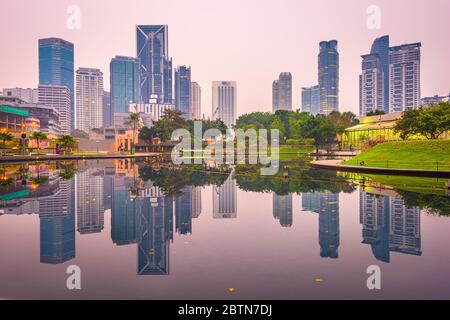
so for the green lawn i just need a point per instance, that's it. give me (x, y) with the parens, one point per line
(425, 154)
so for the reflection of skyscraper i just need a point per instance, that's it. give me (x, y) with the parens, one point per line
(89, 202)
(326, 204)
(156, 233)
(196, 202)
(389, 225)
(282, 209)
(224, 200)
(57, 226)
(125, 214)
(183, 211)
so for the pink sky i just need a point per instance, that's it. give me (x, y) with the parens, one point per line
(249, 41)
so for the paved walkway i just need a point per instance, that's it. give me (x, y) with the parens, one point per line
(335, 164)
(74, 157)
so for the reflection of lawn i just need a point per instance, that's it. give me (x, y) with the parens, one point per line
(413, 184)
(426, 155)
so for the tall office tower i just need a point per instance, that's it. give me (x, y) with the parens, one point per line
(28, 95)
(57, 225)
(371, 85)
(275, 95)
(124, 82)
(282, 209)
(56, 67)
(183, 211)
(404, 74)
(156, 234)
(89, 201)
(310, 100)
(156, 66)
(374, 216)
(224, 101)
(224, 200)
(107, 110)
(57, 97)
(380, 47)
(196, 101)
(328, 77)
(285, 91)
(196, 202)
(89, 113)
(405, 236)
(183, 91)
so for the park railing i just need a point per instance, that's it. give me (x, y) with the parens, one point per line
(405, 164)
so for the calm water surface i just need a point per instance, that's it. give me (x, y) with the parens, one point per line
(143, 230)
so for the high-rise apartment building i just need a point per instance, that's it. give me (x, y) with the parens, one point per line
(328, 77)
(57, 97)
(56, 67)
(89, 95)
(371, 85)
(107, 109)
(224, 101)
(196, 101)
(28, 95)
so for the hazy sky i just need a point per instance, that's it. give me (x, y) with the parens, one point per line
(250, 41)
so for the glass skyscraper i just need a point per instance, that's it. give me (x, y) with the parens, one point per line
(124, 83)
(380, 47)
(56, 67)
(183, 91)
(156, 66)
(328, 77)
(310, 100)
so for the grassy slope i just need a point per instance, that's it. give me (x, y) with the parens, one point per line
(407, 155)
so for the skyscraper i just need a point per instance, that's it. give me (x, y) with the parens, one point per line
(183, 91)
(328, 77)
(282, 92)
(380, 47)
(404, 74)
(89, 113)
(107, 110)
(371, 85)
(124, 82)
(196, 101)
(57, 97)
(310, 100)
(224, 101)
(56, 67)
(156, 66)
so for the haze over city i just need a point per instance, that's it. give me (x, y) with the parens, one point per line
(250, 42)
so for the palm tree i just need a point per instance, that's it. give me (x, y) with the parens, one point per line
(134, 121)
(66, 142)
(5, 136)
(38, 136)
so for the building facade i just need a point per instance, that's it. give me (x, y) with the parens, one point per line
(196, 101)
(28, 95)
(56, 67)
(328, 77)
(124, 82)
(57, 97)
(89, 113)
(275, 95)
(155, 64)
(380, 47)
(404, 74)
(183, 91)
(107, 110)
(310, 100)
(371, 85)
(282, 92)
(224, 102)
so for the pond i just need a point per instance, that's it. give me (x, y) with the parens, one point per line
(149, 230)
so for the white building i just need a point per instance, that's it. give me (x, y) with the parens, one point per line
(196, 101)
(224, 101)
(155, 110)
(28, 95)
(371, 85)
(57, 97)
(89, 99)
(404, 73)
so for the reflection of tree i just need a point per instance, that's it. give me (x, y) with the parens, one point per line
(292, 178)
(68, 170)
(434, 204)
(172, 180)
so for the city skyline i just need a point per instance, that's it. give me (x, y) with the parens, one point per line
(298, 56)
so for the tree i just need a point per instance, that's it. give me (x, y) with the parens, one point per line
(134, 121)
(430, 122)
(147, 134)
(5, 136)
(39, 137)
(322, 129)
(66, 142)
(169, 122)
(278, 124)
